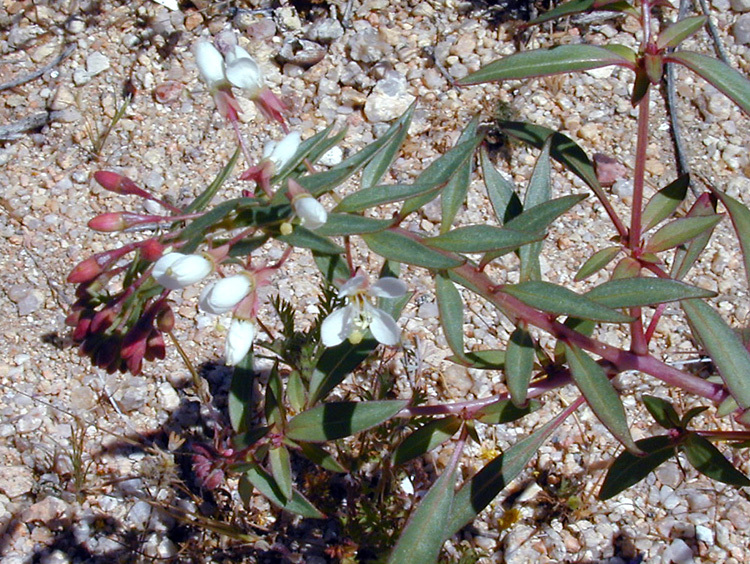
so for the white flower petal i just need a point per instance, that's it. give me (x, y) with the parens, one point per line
(353, 285)
(225, 294)
(337, 326)
(245, 73)
(383, 327)
(268, 149)
(175, 272)
(239, 340)
(210, 63)
(284, 150)
(161, 265)
(388, 287)
(236, 53)
(310, 211)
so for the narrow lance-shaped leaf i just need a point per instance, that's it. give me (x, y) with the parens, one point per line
(600, 394)
(629, 469)
(680, 231)
(491, 359)
(482, 238)
(398, 247)
(382, 161)
(723, 346)
(281, 470)
(240, 394)
(727, 80)
(637, 292)
(202, 201)
(519, 364)
(537, 193)
(545, 62)
(561, 301)
(341, 224)
(597, 261)
(321, 457)
(740, 216)
(304, 238)
(676, 33)
(426, 438)
(580, 6)
(685, 258)
(662, 411)
(504, 411)
(454, 194)
(255, 476)
(477, 493)
(665, 202)
(335, 420)
(539, 217)
(708, 460)
(451, 309)
(423, 536)
(335, 364)
(505, 202)
(383, 194)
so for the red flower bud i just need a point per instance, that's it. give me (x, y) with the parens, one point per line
(118, 183)
(85, 271)
(108, 222)
(152, 250)
(165, 319)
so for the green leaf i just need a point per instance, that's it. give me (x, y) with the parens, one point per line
(505, 202)
(383, 194)
(684, 258)
(691, 414)
(600, 394)
(733, 84)
(493, 359)
(201, 202)
(451, 309)
(398, 247)
(311, 149)
(255, 476)
(680, 231)
(335, 420)
(580, 6)
(538, 218)
(296, 391)
(628, 267)
(454, 193)
(198, 226)
(519, 365)
(561, 301)
(249, 438)
(335, 364)
(281, 470)
(341, 224)
(380, 164)
(537, 193)
(665, 202)
(424, 533)
(723, 346)
(504, 411)
(709, 461)
(562, 148)
(545, 62)
(628, 469)
(441, 171)
(676, 33)
(636, 292)
(426, 438)
(274, 408)
(321, 457)
(482, 238)
(662, 411)
(483, 487)
(306, 239)
(332, 267)
(740, 216)
(240, 394)
(597, 261)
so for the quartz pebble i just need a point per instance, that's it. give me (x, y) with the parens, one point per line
(741, 29)
(389, 99)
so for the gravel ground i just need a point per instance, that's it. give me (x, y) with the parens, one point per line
(122, 435)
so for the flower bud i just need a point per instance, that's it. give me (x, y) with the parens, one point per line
(282, 152)
(225, 294)
(151, 250)
(85, 271)
(239, 340)
(175, 270)
(118, 183)
(108, 222)
(165, 319)
(310, 211)
(243, 72)
(210, 63)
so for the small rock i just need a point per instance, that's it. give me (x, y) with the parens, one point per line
(332, 157)
(301, 52)
(608, 169)
(55, 557)
(740, 5)
(389, 99)
(27, 299)
(50, 511)
(698, 501)
(16, 480)
(325, 30)
(679, 553)
(367, 46)
(288, 17)
(139, 515)
(168, 91)
(704, 534)
(75, 25)
(64, 98)
(169, 399)
(623, 188)
(31, 421)
(96, 63)
(458, 381)
(261, 30)
(741, 29)
(193, 20)
(81, 76)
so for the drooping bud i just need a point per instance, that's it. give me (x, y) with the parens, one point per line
(108, 222)
(151, 249)
(210, 64)
(165, 319)
(119, 184)
(225, 294)
(85, 271)
(239, 340)
(243, 72)
(310, 211)
(175, 270)
(282, 152)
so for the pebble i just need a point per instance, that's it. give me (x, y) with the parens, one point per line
(139, 515)
(75, 25)
(26, 298)
(51, 511)
(389, 99)
(704, 534)
(741, 29)
(301, 52)
(16, 480)
(169, 399)
(325, 30)
(332, 157)
(367, 46)
(96, 63)
(740, 5)
(678, 553)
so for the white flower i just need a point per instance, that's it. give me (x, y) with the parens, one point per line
(358, 315)
(239, 340)
(310, 211)
(237, 68)
(225, 294)
(282, 152)
(175, 270)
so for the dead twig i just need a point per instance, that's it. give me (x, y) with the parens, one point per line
(67, 50)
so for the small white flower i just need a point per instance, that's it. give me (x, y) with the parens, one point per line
(225, 294)
(239, 340)
(358, 315)
(282, 152)
(175, 270)
(310, 211)
(237, 68)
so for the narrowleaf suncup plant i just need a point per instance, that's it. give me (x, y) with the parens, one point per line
(124, 306)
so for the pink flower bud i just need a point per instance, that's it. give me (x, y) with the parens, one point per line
(152, 249)
(118, 183)
(108, 222)
(85, 271)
